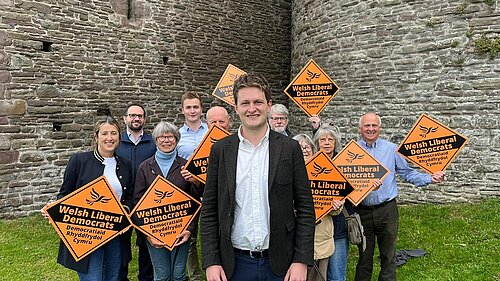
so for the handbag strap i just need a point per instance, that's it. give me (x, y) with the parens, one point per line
(345, 212)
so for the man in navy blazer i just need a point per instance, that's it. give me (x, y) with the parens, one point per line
(257, 220)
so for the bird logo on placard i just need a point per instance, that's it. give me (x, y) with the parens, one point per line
(427, 130)
(312, 75)
(233, 77)
(96, 197)
(162, 195)
(319, 170)
(353, 156)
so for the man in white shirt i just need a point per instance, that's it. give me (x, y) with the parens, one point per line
(257, 220)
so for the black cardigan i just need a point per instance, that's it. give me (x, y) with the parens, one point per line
(83, 168)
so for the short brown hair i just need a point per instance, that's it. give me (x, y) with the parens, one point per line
(191, 95)
(125, 113)
(249, 80)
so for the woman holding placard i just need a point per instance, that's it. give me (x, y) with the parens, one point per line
(104, 263)
(167, 265)
(323, 234)
(327, 139)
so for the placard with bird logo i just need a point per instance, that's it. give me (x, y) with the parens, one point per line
(164, 212)
(431, 145)
(361, 169)
(88, 217)
(198, 162)
(224, 89)
(312, 89)
(327, 183)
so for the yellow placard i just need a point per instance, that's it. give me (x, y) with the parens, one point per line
(88, 217)
(327, 183)
(224, 89)
(361, 169)
(431, 145)
(198, 162)
(164, 212)
(312, 89)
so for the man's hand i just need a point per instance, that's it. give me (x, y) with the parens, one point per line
(215, 273)
(376, 184)
(438, 177)
(296, 272)
(315, 121)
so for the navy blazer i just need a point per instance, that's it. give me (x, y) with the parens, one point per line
(83, 168)
(290, 202)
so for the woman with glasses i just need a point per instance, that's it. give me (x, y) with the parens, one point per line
(167, 265)
(327, 139)
(323, 235)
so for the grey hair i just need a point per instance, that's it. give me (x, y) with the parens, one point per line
(327, 130)
(379, 119)
(166, 127)
(308, 140)
(278, 109)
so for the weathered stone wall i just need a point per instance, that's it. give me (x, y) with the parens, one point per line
(403, 58)
(64, 63)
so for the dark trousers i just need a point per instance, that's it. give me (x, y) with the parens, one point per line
(144, 261)
(247, 268)
(381, 225)
(126, 237)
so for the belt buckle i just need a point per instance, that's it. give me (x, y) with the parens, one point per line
(255, 252)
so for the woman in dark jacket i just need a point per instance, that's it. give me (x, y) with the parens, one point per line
(167, 265)
(104, 263)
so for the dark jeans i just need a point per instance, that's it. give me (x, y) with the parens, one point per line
(247, 268)
(144, 261)
(382, 224)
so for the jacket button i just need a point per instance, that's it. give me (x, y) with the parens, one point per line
(124, 188)
(121, 177)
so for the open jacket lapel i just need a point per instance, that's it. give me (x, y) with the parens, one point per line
(230, 157)
(275, 147)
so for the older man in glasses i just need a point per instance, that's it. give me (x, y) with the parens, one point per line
(278, 120)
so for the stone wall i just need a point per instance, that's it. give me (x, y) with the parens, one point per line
(403, 58)
(65, 63)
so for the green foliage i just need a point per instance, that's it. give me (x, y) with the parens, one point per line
(431, 23)
(462, 241)
(461, 8)
(490, 2)
(486, 45)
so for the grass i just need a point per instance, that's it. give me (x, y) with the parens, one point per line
(462, 241)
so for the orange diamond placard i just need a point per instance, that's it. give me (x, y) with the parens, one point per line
(312, 89)
(164, 212)
(431, 145)
(88, 217)
(224, 89)
(198, 162)
(327, 183)
(361, 169)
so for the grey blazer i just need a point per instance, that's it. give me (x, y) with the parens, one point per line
(291, 205)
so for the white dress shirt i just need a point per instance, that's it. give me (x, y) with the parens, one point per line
(250, 230)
